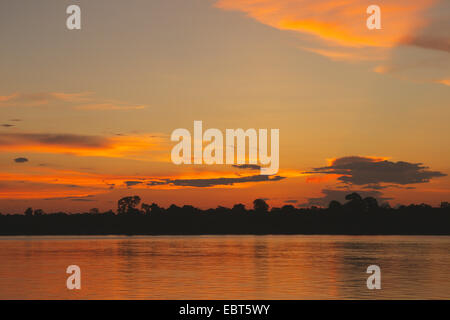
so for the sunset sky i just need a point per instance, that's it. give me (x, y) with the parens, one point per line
(86, 115)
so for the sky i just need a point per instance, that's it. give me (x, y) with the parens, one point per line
(86, 115)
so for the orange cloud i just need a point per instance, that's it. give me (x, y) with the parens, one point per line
(7, 98)
(341, 22)
(41, 183)
(382, 69)
(321, 179)
(130, 147)
(337, 54)
(445, 82)
(412, 35)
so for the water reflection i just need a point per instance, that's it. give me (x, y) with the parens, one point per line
(225, 267)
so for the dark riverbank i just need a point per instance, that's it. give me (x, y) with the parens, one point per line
(191, 221)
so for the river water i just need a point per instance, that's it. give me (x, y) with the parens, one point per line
(225, 267)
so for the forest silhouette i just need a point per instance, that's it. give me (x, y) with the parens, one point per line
(357, 216)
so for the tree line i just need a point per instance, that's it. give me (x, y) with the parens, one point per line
(357, 215)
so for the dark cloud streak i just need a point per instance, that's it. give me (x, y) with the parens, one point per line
(247, 166)
(20, 160)
(9, 139)
(205, 183)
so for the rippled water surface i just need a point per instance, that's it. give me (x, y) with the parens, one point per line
(225, 267)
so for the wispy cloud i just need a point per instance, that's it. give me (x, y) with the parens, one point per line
(132, 183)
(338, 22)
(86, 198)
(46, 182)
(213, 182)
(247, 166)
(78, 101)
(109, 106)
(42, 98)
(337, 30)
(133, 147)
